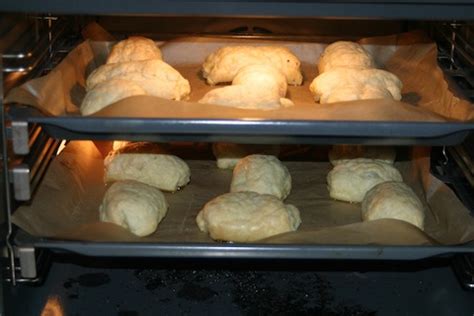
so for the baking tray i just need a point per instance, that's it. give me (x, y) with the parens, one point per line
(429, 114)
(241, 251)
(248, 131)
(330, 229)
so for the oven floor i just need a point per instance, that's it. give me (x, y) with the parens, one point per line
(141, 287)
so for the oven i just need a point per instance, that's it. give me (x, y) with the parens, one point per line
(37, 38)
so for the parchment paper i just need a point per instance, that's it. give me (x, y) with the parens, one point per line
(66, 204)
(411, 56)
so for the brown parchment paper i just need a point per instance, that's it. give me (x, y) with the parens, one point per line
(66, 205)
(411, 56)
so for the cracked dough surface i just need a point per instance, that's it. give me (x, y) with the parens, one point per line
(165, 172)
(108, 92)
(135, 206)
(247, 217)
(263, 174)
(260, 87)
(135, 48)
(345, 54)
(154, 76)
(224, 64)
(350, 181)
(228, 154)
(348, 84)
(393, 200)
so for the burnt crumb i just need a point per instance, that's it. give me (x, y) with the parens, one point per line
(127, 313)
(194, 292)
(88, 280)
(73, 296)
(254, 292)
(93, 279)
(68, 284)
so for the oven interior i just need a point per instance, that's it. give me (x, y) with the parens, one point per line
(32, 45)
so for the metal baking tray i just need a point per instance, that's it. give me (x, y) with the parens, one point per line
(247, 131)
(242, 251)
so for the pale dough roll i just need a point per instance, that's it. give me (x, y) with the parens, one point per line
(393, 200)
(345, 54)
(135, 48)
(247, 217)
(342, 153)
(347, 84)
(166, 172)
(224, 64)
(109, 92)
(228, 154)
(261, 87)
(135, 206)
(154, 76)
(263, 174)
(350, 181)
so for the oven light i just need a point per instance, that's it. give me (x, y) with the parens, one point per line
(61, 147)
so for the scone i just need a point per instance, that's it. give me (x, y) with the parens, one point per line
(228, 154)
(260, 87)
(109, 92)
(135, 206)
(247, 217)
(154, 76)
(342, 153)
(165, 172)
(345, 54)
(263, 174)
(135, 48)
(393, 200)
(348, 84)
(350, 181)
(224, 64)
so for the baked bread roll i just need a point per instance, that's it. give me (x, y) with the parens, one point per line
(343, 153)
(261, 87)
(109, 92)
(165, 172)
(350, 181)
(393, 200)
(246, 217)
(154, 76)
(135, 206)
(344, 54)
(263, 174)
(228, 154)
(348, 84)
(224, 64)
(135, 48)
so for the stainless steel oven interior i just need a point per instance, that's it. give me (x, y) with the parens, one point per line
(32, 44)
